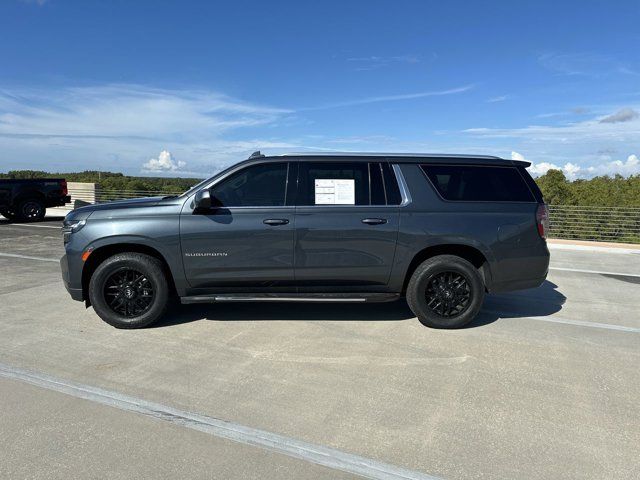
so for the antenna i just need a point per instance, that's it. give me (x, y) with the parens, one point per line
(256, 154)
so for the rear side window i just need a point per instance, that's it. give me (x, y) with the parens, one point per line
(478, 183)
(333, 183)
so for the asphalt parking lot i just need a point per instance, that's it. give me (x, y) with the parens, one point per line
(544, 384)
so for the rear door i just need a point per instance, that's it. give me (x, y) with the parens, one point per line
(346, 225)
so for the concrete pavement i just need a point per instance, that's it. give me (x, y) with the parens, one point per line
(511, 396)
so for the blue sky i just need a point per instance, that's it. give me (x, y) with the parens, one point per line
(184, 88)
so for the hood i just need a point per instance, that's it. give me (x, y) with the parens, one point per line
(122, 205)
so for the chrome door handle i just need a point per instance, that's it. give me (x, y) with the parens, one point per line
(275, 221)
(374, 221)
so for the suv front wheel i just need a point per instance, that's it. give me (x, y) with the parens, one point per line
(129, 290)
(445, 291)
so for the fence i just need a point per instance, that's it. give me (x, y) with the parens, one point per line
(102, 195)
(605, 224)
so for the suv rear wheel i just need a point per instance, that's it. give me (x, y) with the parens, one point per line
(129, 290)
(30, 210)
(445, 291)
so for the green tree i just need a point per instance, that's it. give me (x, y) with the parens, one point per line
(555, 188)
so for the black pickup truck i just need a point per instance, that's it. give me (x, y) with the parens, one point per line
(26, 200)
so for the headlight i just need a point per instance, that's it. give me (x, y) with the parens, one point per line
(69, 227)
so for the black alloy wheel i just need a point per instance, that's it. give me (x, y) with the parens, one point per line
(448, 294)
(445, 291)
(128, 292)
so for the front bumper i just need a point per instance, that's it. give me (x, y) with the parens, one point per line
(74, 291)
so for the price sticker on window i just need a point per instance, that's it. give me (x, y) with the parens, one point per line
(330, 191)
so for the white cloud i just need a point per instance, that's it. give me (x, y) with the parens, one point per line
(537, 169)
(622, 115)
(392, 98)
(625, 168)
(115, 127)
(573, 171)
(164, 163)
(374, 62)
(125, 111)
(497, 99)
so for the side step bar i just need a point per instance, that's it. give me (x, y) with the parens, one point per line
(292, 297)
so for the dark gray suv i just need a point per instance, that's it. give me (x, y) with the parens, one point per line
(440, 230)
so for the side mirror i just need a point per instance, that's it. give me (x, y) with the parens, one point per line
(203, 200)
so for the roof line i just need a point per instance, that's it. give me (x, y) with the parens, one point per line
(382, 154)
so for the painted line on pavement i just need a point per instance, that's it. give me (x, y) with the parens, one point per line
(590, 248)
(29, 257)
(566, 321)
(598, 272)
(30, 225)
(321, 455)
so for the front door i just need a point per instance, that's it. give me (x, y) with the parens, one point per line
(346, 227)
(246, 240)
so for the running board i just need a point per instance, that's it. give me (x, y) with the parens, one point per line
(292, 297)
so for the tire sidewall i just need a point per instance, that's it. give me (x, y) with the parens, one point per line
(145, 264)
(423, 275)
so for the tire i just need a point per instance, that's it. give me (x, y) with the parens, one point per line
(117, 295)
(8, 214)
(30, 210)
(445, 291)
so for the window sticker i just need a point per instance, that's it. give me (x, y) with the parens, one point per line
(330, 191)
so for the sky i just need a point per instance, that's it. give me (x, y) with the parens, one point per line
(184, 88)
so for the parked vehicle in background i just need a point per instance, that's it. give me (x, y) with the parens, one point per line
(27, 200)
(439, 230)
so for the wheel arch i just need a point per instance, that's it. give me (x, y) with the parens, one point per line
(470, 253)
(100, 254)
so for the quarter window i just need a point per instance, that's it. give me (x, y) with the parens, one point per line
(391, 185)
(479, 183)
(263, 185)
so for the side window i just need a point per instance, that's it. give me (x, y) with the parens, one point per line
(333, 183)
(391, 185)
(378, 196)
(478, 183)
(263, 185)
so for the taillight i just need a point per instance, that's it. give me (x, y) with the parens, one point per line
(65, 191)
(542, 219)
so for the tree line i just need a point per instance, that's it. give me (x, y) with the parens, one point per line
(604, 223)
(606, 191)
(113, 182)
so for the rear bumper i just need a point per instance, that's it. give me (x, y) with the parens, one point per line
(527, 268)
(58, 202)
(517, 284)
(74, 290)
